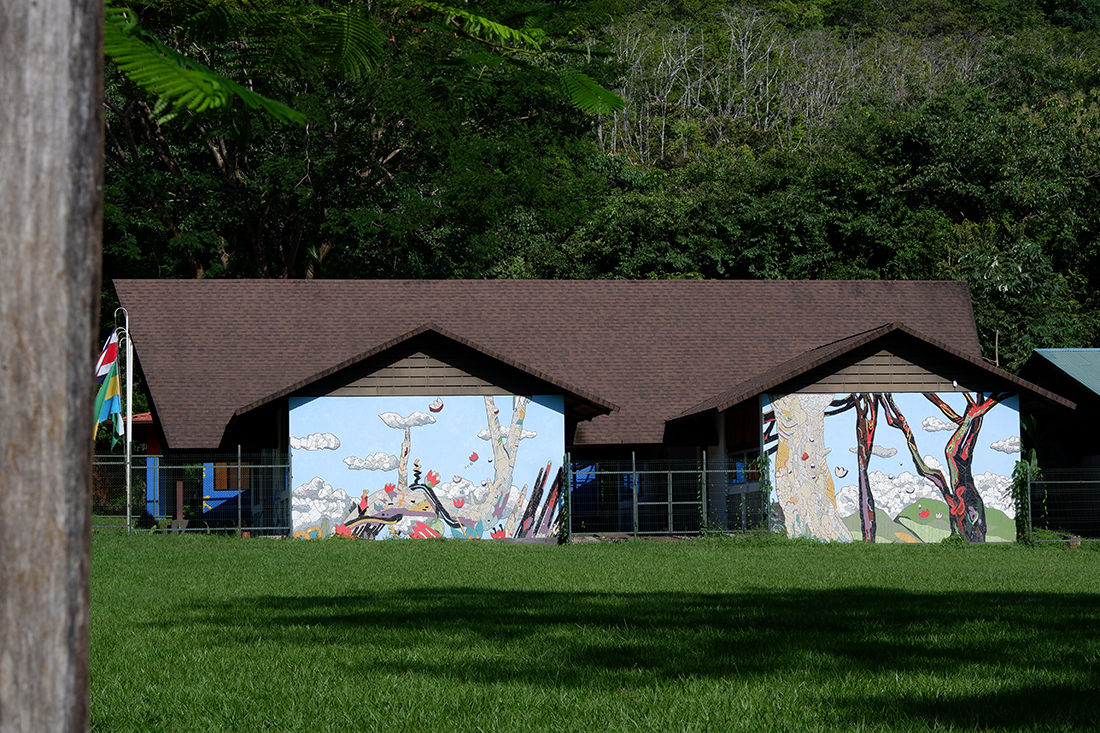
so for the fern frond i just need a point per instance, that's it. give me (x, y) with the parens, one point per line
(165, 72)
(588, 96)
(348, 41)
(478, 26)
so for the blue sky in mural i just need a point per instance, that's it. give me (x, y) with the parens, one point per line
(932, 429)
(446, 446)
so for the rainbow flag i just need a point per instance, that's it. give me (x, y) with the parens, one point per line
(108, 403)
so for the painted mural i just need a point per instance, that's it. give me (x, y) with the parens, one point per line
(412, 467)
(883, 467)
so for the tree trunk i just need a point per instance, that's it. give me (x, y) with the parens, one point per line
(51, 154)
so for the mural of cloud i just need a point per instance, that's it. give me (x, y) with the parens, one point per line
(894, 494)
(523, 435)
(878, 450)
(311, 502)
(315, 441)
(462, 488)
(996, 491)
(416, 419)
(933, 463)
(934, 424)
(378, 462)
(1008, 445)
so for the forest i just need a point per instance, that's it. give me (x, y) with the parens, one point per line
(918, 139)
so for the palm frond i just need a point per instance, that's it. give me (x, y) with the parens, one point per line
(586, 95)
(165, 72)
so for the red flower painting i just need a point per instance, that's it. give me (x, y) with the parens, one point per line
(422, 531)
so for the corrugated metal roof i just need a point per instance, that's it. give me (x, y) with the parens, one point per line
(1081, 364)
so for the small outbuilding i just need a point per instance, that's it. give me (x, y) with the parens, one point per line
(1064, 438)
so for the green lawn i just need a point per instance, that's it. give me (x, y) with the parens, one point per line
(196, 633)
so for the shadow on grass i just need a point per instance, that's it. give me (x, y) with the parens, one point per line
(1041, 651)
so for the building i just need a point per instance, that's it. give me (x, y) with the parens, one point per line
(1062, 437)
(1066, 494)
(490, 384)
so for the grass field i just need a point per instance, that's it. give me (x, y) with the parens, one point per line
(196, 633)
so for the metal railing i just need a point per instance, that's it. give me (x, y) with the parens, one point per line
(239, 492)
(645, 497)
(1064, 505)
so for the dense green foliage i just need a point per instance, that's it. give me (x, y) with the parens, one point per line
(952, 139)
(215, 634)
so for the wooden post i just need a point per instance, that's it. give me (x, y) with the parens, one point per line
(51, 155)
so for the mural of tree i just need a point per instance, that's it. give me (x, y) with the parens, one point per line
(530, 514)
(866, 407)
(505, 444)
(803, 486)
(967, 510)
(393, 420)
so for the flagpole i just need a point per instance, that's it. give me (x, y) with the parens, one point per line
(129, 416)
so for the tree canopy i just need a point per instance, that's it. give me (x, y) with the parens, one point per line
(771, 139)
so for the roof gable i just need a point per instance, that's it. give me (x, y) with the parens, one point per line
(830, 354)
(590, 403)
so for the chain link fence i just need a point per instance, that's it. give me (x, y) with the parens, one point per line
(646, 497)
(1064, 505)
(239, 492)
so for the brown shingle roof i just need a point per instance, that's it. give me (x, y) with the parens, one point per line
(822, 355)
(601, 406)
(653, 348)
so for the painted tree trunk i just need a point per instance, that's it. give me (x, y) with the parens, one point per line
(51, 148)
(505, 448)
(403, 465)
(866, 420)
(967, 510)
(967, 507)
(803, 483)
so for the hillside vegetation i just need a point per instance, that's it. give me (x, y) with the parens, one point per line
(946, 139)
